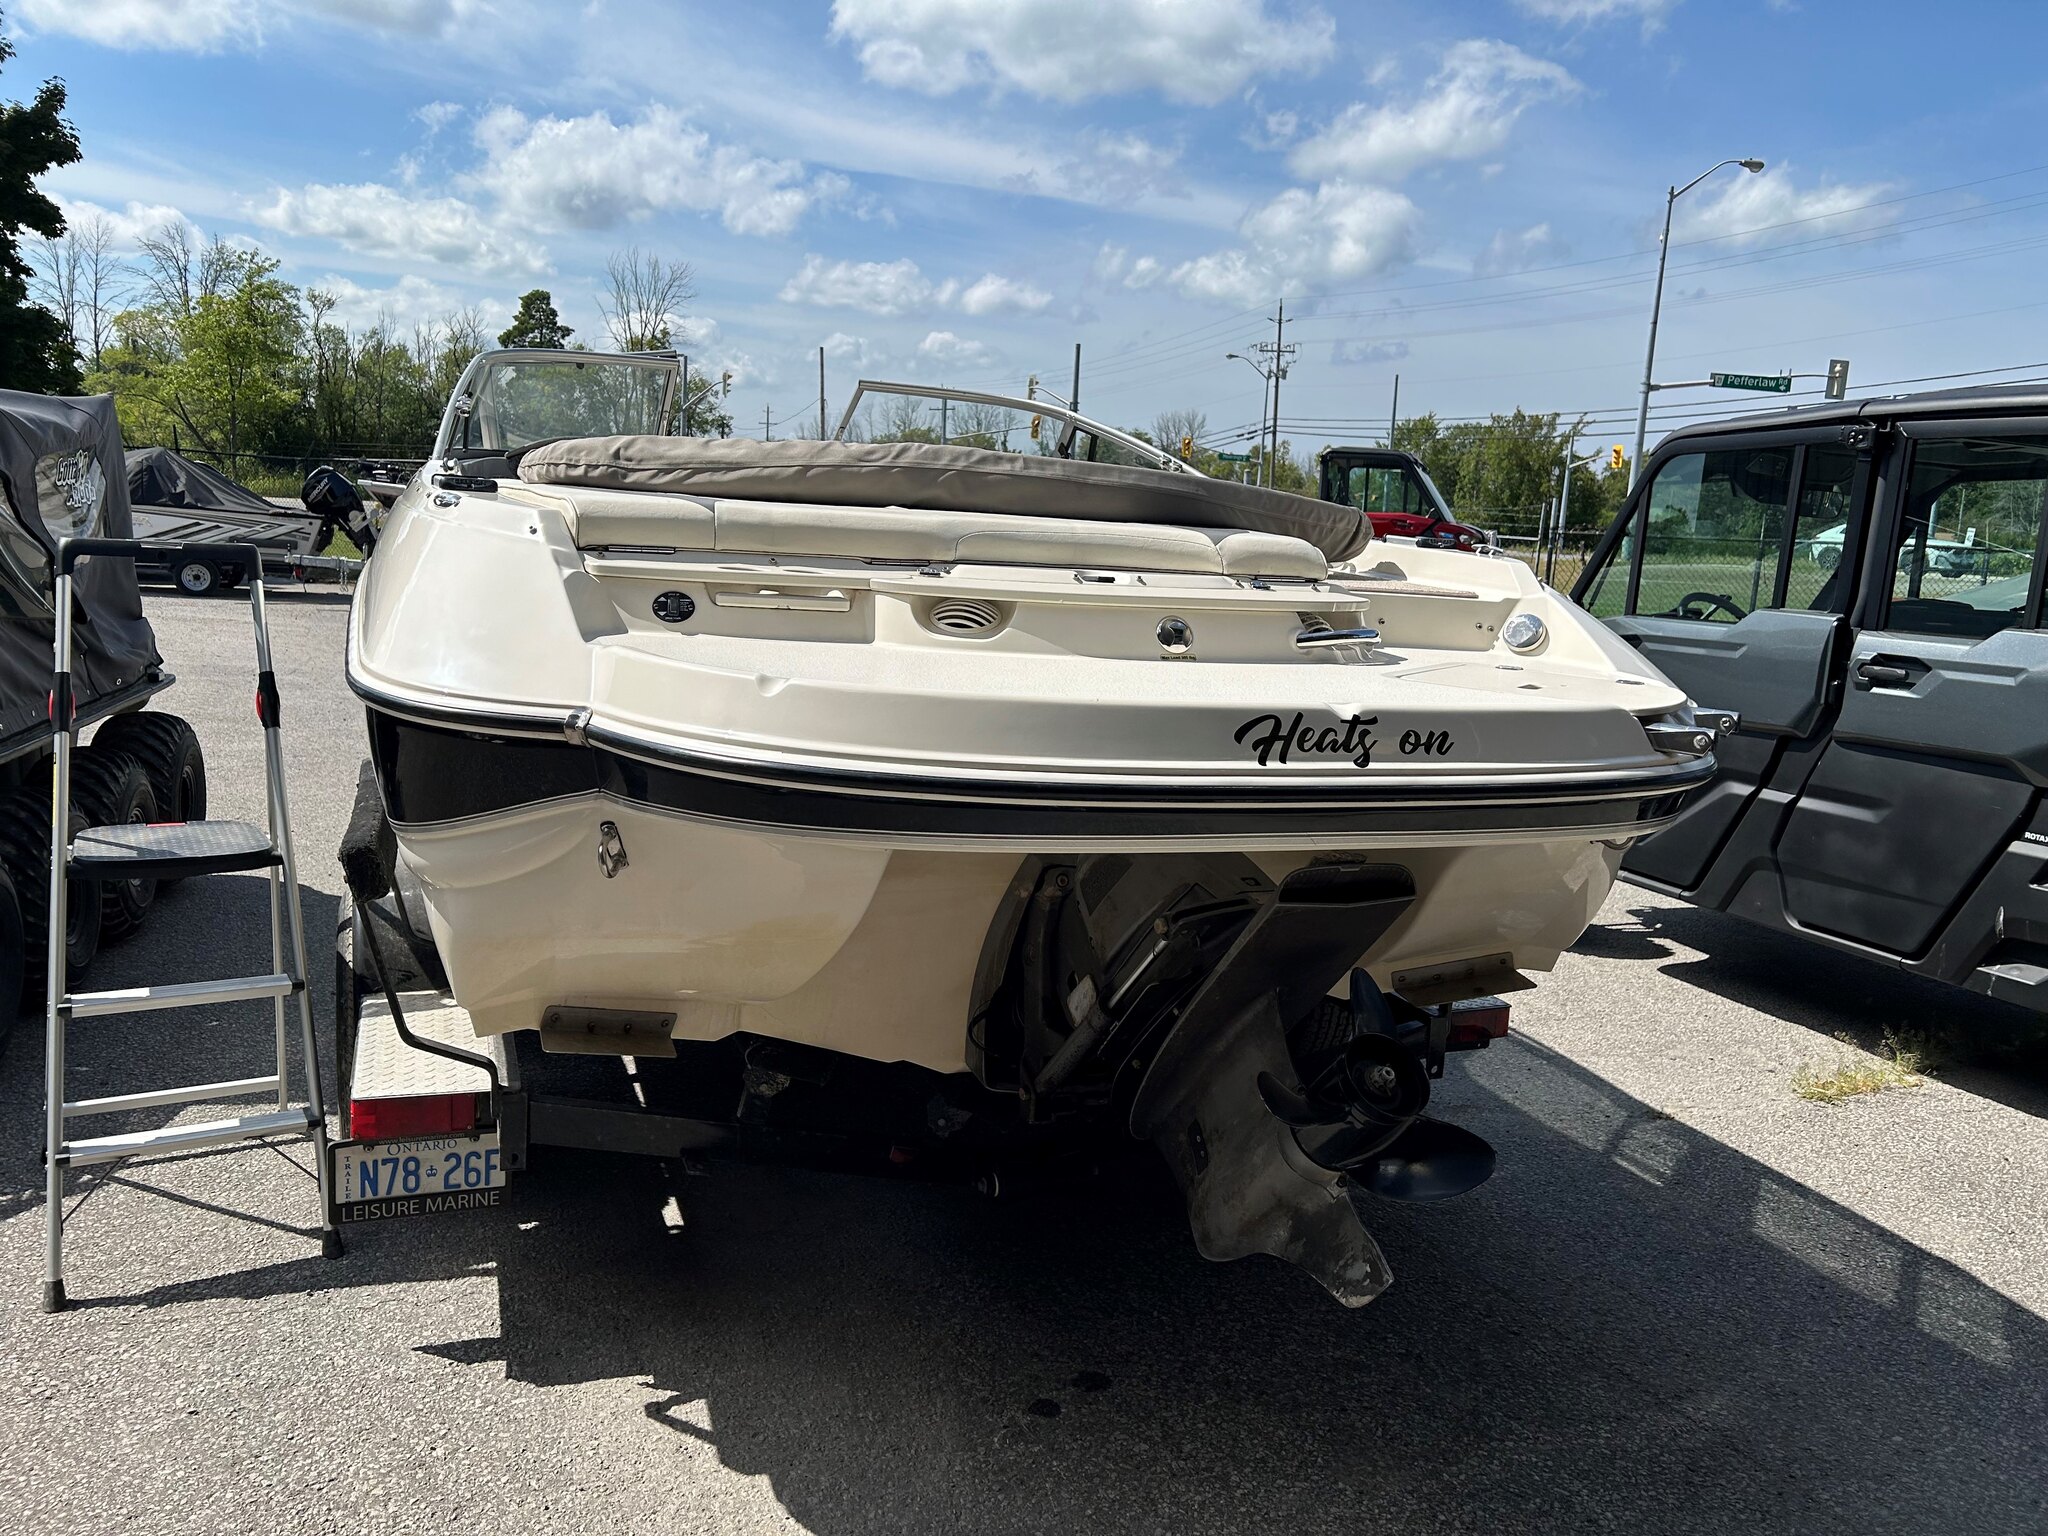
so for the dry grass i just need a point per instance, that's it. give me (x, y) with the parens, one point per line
(1898, 1063)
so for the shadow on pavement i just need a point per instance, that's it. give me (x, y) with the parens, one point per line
(1631, 1328)
(1988, 1048)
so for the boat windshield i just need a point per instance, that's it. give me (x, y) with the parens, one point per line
(518, 401)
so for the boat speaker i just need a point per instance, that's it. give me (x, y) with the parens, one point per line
(965, 616)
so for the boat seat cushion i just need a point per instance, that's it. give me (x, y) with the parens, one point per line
(934, 477)
(604, 519)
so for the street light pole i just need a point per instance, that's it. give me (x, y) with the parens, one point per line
(1671, 197)
(1265, 379)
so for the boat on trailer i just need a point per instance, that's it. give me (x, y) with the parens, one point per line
(958, 810)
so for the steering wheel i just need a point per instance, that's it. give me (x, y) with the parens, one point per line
(1683, 609)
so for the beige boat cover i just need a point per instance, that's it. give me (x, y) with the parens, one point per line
(943, 478)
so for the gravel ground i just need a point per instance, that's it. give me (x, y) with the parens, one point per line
(1688, 1301)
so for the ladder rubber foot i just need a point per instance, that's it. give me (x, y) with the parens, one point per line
(330, 1244)
(53, 1296)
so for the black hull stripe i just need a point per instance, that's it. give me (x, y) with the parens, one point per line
(432, 774)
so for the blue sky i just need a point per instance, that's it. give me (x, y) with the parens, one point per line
(1465, 193)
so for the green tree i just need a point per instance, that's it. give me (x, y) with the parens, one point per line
(36, 351)
(226, 378)
(536, 324)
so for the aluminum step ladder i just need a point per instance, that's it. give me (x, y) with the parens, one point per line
(171, 851)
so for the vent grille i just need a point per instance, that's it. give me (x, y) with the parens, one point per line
(966, 616)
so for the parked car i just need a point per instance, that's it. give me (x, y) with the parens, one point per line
(1396, 494)
(1945, 556)
(1887, 791)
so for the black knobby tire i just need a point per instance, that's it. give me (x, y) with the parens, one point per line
(25, 850)
(169, 753)
(112, 790)
(13, 962)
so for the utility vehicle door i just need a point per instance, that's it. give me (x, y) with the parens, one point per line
(1940, 752)
(1727, 570)
(1388, 486)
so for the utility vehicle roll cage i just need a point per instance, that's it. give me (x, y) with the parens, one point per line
(1073, 422)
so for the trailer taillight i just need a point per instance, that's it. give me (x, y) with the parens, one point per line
(433, 1114)
(1477, 1021)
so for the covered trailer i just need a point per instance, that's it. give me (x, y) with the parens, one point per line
(62, 474)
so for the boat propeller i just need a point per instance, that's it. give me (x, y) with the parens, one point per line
(1358, 1109)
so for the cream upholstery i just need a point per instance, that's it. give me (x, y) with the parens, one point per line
(603, 519)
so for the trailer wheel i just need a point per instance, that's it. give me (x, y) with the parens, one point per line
(198, 578)
(25, 851)
(13, 965)
(112, 790)
(168, 749)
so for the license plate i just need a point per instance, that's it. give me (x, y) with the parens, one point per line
(424, 1177)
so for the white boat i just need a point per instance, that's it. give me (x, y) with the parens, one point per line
(1093, 800)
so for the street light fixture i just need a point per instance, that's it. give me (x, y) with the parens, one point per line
(1671, 197)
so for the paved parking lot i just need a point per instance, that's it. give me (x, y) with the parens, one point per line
(1688, 1301)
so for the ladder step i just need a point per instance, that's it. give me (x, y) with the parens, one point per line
(185, 1138)
(179, 994)
(197, 1093)
(170, 850)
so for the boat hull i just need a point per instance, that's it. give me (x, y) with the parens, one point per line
(870, 941)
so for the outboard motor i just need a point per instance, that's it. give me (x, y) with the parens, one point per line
(1201, 989)
(329, 496)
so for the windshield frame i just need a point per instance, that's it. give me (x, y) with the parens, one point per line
(470, 387)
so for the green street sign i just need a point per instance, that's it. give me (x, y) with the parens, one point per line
(1233, 458)
(1768, 383)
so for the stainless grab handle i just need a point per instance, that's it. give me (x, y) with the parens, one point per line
(809, 602)
(1325, 639)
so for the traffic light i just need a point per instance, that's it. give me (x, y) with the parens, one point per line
(725, 384)
(1037, 425)
(1187, 446)
(1617, 461)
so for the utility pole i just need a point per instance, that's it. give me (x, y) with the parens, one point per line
(767, 425)
(1276, 352)
(684, 425)
(1394, 415)
(824, 431)
(1074, 398)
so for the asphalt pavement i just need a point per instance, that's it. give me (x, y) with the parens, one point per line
(1688, 1301)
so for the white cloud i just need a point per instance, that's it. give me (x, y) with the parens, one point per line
(1352, 354)
(1466, 113)
(130, 223)
(1273, 130)
(205, 26)
(591, 173)
(992, 295)
(438, 115)
(1193, 50)
(1302, 241)
(1586, 12)
(1518, 250)
(1116, 169)
(945, 350)
(1145, 271)
(855, 351)
(191, 26)
(901, 286)
(409, 302)
(878, 287)
(1742, 209)
(382, 220)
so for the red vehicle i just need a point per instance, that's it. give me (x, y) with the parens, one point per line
(1394, 490)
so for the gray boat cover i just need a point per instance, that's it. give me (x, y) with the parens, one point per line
(940, 478)
(158, 477)
(61, 472)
